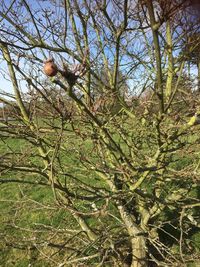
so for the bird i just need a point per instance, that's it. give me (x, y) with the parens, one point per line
(50, 68)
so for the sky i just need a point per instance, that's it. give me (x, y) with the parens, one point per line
(6, 86)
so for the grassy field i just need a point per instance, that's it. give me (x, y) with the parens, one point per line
(29, 211)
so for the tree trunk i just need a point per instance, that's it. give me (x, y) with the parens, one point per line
(138, 252)
(138, 240)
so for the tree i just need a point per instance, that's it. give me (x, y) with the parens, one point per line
(112, 188)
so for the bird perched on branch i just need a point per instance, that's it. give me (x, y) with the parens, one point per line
(50, 68)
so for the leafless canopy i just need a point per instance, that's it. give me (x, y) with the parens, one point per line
(99, 133)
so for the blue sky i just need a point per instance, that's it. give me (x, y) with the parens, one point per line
(5, 85)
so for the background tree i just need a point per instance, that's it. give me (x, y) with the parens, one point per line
(94, 187)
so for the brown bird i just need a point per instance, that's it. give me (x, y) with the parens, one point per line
(50, 68)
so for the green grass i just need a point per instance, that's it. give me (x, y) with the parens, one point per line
(30, 211)
(33, 209)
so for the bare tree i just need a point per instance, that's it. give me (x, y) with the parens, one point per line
(125, 183)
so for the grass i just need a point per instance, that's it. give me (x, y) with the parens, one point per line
(31, 216)
(31, 212)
